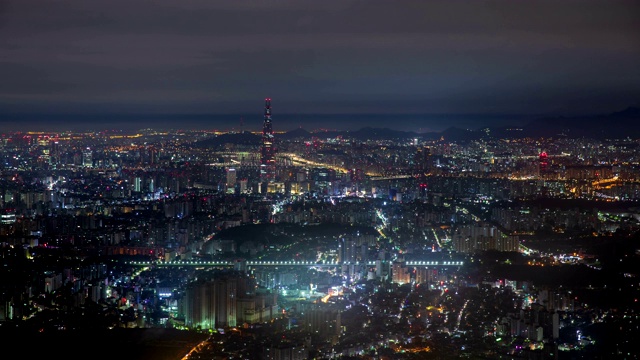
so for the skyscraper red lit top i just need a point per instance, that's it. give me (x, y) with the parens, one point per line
(543, 162)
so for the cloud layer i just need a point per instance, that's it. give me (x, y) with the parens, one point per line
(209, 56)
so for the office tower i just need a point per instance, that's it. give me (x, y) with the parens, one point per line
(152, 155)
(137, 184)
(87, 158)
(231, 178)
(267, 158)
(422, 161)
(543, 159)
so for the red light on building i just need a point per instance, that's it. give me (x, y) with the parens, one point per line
(543, 162)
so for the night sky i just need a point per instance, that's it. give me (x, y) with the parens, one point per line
(164, 57)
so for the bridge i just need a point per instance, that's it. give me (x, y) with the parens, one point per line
(232, 263)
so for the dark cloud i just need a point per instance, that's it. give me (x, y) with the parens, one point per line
(319, 56)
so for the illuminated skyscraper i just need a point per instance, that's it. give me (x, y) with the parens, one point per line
(231, 179)
(87, 157)
(422, 168)
(543, 163)
(267, 158)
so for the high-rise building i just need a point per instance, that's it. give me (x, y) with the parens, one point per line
(543, 162)
(267, 158)
(87, 157)
(228, 299)
(243, 185)
(137, 184)
(422, 160)
(212, 304)
(231, 179)
(400, 273)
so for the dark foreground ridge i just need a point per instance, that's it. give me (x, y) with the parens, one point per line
(118, 343)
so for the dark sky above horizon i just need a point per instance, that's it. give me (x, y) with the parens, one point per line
(316, 57)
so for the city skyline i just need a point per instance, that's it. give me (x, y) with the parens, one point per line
(341, 179)
(512, 242)
(461, 61)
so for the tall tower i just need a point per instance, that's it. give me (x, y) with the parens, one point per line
(267, 158)
(422, 161)
(87, 157)
(543, 162)
(231, 179)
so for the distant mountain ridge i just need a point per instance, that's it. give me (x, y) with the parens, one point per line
(620, 124)
(244, 138)
(368, 132)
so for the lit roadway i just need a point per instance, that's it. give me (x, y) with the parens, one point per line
(391, 177)
(437, 238)
(385, 223)
(460, 315)
(199, 347)
(296, 159)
